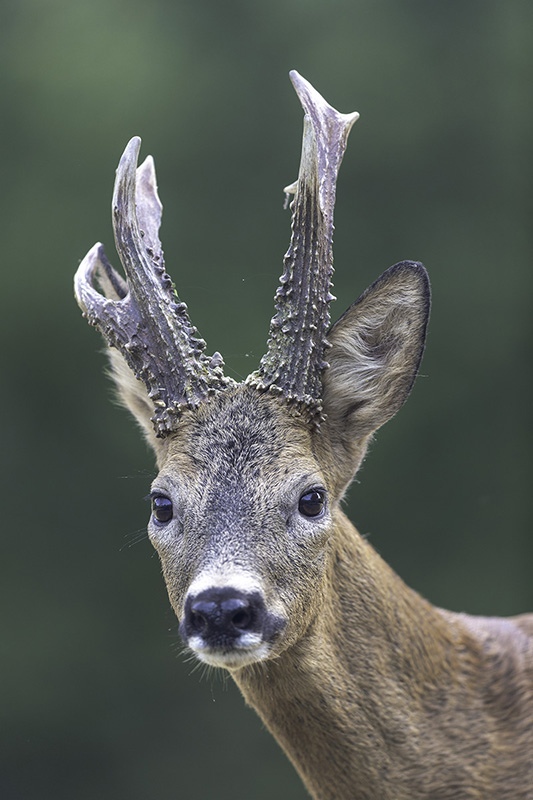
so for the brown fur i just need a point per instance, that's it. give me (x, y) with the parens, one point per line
(373, 693)
(387, 697)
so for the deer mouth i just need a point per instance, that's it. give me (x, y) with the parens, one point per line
(230, 657)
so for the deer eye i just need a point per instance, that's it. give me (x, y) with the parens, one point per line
(312, 503)
(161, 508)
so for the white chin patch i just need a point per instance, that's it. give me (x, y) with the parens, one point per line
(244, 652)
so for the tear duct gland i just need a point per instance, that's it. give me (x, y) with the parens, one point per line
(371, 691)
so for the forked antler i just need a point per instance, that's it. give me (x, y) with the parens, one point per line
(147, 323)
(145, 320)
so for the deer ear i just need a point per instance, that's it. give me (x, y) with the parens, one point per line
(376, 348)
(132, 394)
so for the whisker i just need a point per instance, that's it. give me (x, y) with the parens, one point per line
(139, 473)
(133, 538)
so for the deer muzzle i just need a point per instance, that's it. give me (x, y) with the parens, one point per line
(228, 627)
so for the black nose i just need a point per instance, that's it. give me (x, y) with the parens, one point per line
(222, 615)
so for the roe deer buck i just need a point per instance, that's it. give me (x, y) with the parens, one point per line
(371, 691)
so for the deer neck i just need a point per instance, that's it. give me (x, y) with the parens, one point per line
(346, 702)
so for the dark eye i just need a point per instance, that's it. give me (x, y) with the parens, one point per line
(161, 508)
(312, 503)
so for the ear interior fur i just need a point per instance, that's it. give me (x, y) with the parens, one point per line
(132, 394)
(376, 348)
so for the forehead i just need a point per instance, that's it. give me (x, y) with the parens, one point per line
(241, 433)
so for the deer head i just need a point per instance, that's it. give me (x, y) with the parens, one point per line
(246, 502)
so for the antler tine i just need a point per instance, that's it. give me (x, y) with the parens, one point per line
(294, 360)
(147, 323)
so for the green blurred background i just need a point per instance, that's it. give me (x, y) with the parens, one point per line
(97, 701)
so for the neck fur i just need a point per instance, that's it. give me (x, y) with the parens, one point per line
(351, 703)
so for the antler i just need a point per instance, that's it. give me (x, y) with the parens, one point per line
(145, 320)
(143, 317)
(294, 361)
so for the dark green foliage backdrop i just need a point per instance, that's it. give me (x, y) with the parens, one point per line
(96, 701)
